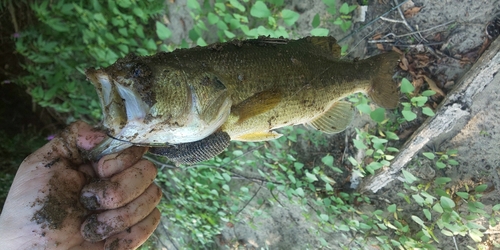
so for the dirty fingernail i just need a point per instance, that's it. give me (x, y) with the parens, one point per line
(89, 200)
(95, 230)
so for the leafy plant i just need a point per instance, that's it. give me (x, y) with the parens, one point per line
(73, 36)
(344, 20)
(240, 18)
(418, 101)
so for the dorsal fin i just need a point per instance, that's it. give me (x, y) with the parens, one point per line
(326, 45)
(335, 120)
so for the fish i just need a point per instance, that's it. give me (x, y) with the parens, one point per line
(188, 104)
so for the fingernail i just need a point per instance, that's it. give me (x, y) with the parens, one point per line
(94, 230)
(90, 200)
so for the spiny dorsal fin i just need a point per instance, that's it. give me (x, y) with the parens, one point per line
(258, 136)
(326, 43)
(335, 120)
(256, 104)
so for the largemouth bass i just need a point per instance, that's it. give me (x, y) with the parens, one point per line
(200, 98)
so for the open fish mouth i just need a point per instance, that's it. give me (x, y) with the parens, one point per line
(130, 120)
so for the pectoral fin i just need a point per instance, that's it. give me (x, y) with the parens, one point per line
(335, 120)
(256, 104)
(258, 136)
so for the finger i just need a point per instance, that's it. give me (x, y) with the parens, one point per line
(119, 189)
(67, 145)
(98, 227)
(136, 235)
(115, 163)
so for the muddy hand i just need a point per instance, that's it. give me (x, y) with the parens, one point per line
(59, 201)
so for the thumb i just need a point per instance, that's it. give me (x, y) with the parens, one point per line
(71, 144)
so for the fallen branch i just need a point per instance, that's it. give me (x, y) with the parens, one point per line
(454, 108)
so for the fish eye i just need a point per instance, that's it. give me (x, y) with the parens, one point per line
(137, 73)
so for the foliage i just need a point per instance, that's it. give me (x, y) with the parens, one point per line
(240, 19)
(72, 36)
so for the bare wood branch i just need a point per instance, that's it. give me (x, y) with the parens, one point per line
(454, 108)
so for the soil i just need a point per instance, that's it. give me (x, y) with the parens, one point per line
(447, 38)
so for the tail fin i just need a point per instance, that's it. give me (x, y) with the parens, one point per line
(383, 91)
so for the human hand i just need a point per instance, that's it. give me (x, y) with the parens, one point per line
(60, 201)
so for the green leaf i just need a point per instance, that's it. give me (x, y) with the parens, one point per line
(427, 214)
(378, 115)
(463, 195)
(440, 165)
(420, 201)
(237, 5)
(419, 100)
(373, 166)
(162, 31)
(447, 203)
(300, 192)
(496, 207)
(311, 177)
(316, 21)
(150, 45)
(409, 115)
(140, 13)
(140, 32)
(319, 32)
(359, 144)
(260, 10)
(429, 155)
(324, 217)
(330, 3)
(193, 4)
(442, 180)
(438, 208)
(328, 160)
(481, 188)
(212, 18)
(391, 208)
(201, 42)
(406, 86)
(229, 34)
(289, 16)
(417, 220)
(124, 3)
(409, 177)
(429, 93)
(226, 177)
(344, 9)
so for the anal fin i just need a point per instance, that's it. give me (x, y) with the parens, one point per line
(258, 136)
(335, 120)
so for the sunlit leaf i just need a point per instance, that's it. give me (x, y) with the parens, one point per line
(260, 10)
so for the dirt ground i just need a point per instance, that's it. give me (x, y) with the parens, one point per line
(452, 33)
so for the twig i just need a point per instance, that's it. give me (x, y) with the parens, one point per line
(455, 241)
(248, 202)
(371, 22)
(165, 231)
(13, 16)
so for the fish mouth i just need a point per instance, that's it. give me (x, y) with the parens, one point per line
(121, 106)
(130, 121)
